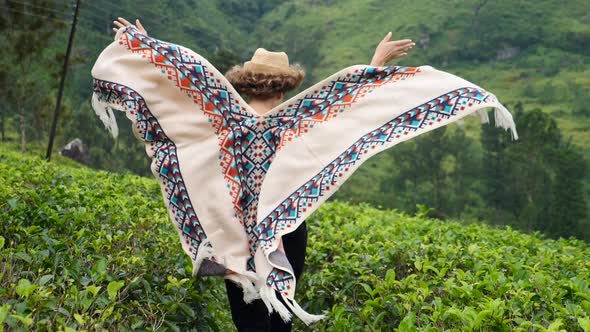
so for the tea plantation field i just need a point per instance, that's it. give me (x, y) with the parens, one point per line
(89, 250)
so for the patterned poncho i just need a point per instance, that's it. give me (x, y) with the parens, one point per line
(234, 181)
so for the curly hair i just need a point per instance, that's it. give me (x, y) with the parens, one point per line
(264, 85)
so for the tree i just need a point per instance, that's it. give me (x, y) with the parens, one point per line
(422, 175)
(477, 6)
(537, 182)
(3, 101)
(29, 29)
(465, 174)
(534, 156)
(224, 59)
(568, 206)
(496, 167)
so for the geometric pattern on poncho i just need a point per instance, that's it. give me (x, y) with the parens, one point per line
(165, 164)
(247, 144)
(288, 211)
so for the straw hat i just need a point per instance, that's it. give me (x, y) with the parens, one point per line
(265, 75)
(265, 61)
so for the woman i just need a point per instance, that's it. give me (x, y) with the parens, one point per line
(264, 80)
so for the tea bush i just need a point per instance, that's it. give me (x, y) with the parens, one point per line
(382, 270)
(90, 250)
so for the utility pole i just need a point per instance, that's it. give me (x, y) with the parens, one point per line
(63, 79)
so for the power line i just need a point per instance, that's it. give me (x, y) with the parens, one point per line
(106, 11)
(37, 6)
(100, 16)
(104, 6)
(96, 20)
(87, 23)
(96, 10)
(31, 14)
(110, 11)
(92, 18)
(99, 23)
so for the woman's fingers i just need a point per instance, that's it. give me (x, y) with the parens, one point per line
(140, 26)
(403, 42)
(121, 23)
(387, 37)
(404, 47)
(124, 21)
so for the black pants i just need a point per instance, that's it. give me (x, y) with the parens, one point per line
(253, 316)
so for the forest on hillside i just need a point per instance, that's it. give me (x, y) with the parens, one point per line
(540, 68)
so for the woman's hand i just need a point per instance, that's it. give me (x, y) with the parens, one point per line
(389, 50)
(122, 23)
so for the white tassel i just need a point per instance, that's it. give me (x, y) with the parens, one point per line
(504, 119)
(250, 292)
(483, 115)
(272, 302)
(205, 251)
(306, 317)
(105, 114)
(269, 297)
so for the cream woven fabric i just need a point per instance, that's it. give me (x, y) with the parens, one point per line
(234, 181)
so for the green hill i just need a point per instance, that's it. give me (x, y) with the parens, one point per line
(92, 250)
(503, 46)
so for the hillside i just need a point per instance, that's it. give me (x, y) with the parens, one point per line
(533, 55)
(500, 45)
(92, 250)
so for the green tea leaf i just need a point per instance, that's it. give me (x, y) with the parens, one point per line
(408, 324)
(26, 320)
(554, 327)
(45, 279)
(4, 309)
(390, 277)
(100, 267)
(584, 323)
(113, 289)
(79, 319)
(418, 265)
(367, 288)
(24, 288)
(12, 202)
(24, 256)
(93, 289)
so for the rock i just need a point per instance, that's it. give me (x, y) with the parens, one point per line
(424, 41)
(507, 53)
(77, 151)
